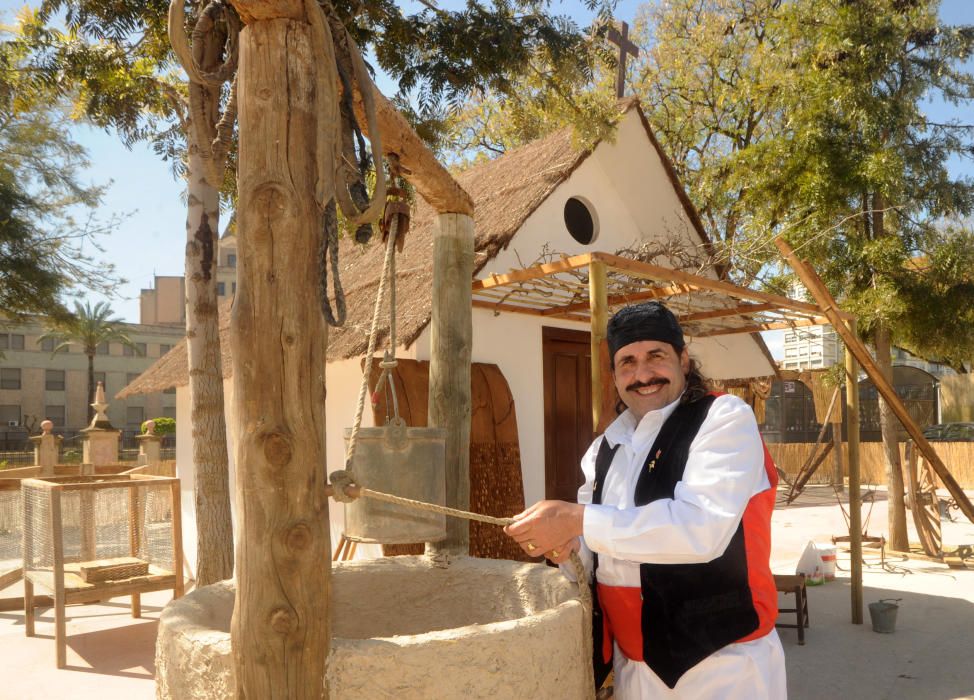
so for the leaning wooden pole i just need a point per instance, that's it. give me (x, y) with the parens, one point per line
(599, 308)
(855, 496)
(830, 308)
(281, 621)
(451, 340)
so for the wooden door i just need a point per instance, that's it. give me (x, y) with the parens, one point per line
(496, 486)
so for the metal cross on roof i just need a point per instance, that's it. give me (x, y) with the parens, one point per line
(626, 49)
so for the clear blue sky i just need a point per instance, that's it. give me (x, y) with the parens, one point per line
(151, 240)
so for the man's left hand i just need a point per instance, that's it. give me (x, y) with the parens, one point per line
(546, 525)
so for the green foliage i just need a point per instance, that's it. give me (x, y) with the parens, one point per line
(47, 216)
(88, 327)
(163, 426)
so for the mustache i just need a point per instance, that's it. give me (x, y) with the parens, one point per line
(645, 385)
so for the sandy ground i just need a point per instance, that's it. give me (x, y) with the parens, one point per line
(110, 655)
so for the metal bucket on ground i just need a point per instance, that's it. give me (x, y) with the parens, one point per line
(402, 461)
(883, 615)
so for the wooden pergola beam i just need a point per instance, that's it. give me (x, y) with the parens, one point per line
(758, 327)
(514, 308)
(616, 299)
(743, 309)
(661, 273)
(866, 361)
(533, 273)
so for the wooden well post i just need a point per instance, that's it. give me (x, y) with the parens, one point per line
(855, 496)
(451, 340)
(281, 622)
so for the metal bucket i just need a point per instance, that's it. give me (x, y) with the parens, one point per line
(402, 461)
(883, 615)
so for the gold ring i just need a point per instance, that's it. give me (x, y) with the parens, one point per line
(555, 553)
(531, 546)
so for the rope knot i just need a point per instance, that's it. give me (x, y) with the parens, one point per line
(341, 480)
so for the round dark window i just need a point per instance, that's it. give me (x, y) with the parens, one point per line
(580, 220)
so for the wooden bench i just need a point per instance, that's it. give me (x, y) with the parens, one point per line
(786, 583)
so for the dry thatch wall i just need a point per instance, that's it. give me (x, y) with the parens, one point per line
(957, 398)
(958, 456)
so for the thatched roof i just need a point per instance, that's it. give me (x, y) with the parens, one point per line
(506, 191)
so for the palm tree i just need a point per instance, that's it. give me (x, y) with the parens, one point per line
(88, 327)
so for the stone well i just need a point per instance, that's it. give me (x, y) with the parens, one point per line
(404, 628)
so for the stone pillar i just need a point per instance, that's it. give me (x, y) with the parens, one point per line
(47, 447)
(150, 445)
(100, 439)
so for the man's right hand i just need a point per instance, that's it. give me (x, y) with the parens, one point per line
(561, 554)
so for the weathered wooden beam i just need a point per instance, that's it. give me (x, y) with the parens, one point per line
(886, 390)
(533, 273)
(425, 172)
(251, 11)
(757, 327)
(451, 342)
(280, 633)
(617, 299)
(743, 309)
(661, 273)
(498, 306)
(600, 318)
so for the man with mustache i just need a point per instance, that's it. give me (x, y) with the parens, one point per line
(674, 520)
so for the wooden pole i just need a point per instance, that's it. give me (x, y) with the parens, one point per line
(451, 340)
(281, 629)
(599, 306)
(830, 308)
(855, 498)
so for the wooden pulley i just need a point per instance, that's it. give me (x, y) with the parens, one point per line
(397, 208)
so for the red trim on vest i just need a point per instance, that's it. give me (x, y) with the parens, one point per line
(757, 548)
(622, 605)
(622, 614)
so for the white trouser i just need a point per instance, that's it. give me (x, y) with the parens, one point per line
(752, 670)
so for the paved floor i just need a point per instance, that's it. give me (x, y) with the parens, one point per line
(110, 655)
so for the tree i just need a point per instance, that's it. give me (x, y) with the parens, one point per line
(120, 56)
(862, 162)
(42, 238)
(88, 328)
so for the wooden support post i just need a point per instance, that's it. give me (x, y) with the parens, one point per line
(451, 340)
(57, 530)
(177, 539)
(281, 632)
(838, 468)
(135, 531)
(885, 389)
(855, 497)
(599, 306)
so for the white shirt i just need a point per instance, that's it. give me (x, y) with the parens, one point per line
(724, 470)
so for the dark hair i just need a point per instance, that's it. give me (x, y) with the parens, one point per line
(696, 387)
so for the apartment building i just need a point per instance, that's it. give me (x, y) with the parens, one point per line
(36, 385)
(811, 347)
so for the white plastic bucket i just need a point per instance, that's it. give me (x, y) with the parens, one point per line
(827, 553)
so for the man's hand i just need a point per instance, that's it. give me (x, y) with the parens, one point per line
(548, 527)
(560, 555)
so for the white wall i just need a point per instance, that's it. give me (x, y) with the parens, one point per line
(634, 200)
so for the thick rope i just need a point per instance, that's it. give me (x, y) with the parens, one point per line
(342, 480)
(364, 389)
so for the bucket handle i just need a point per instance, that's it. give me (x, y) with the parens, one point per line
(891, 601)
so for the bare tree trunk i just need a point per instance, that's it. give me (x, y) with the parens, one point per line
(281, 629)
(91, 387)
(898, 538)
(214, 559)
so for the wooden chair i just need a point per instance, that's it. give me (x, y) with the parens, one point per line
(786, 583)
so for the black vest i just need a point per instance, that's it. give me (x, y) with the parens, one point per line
(689, 610)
